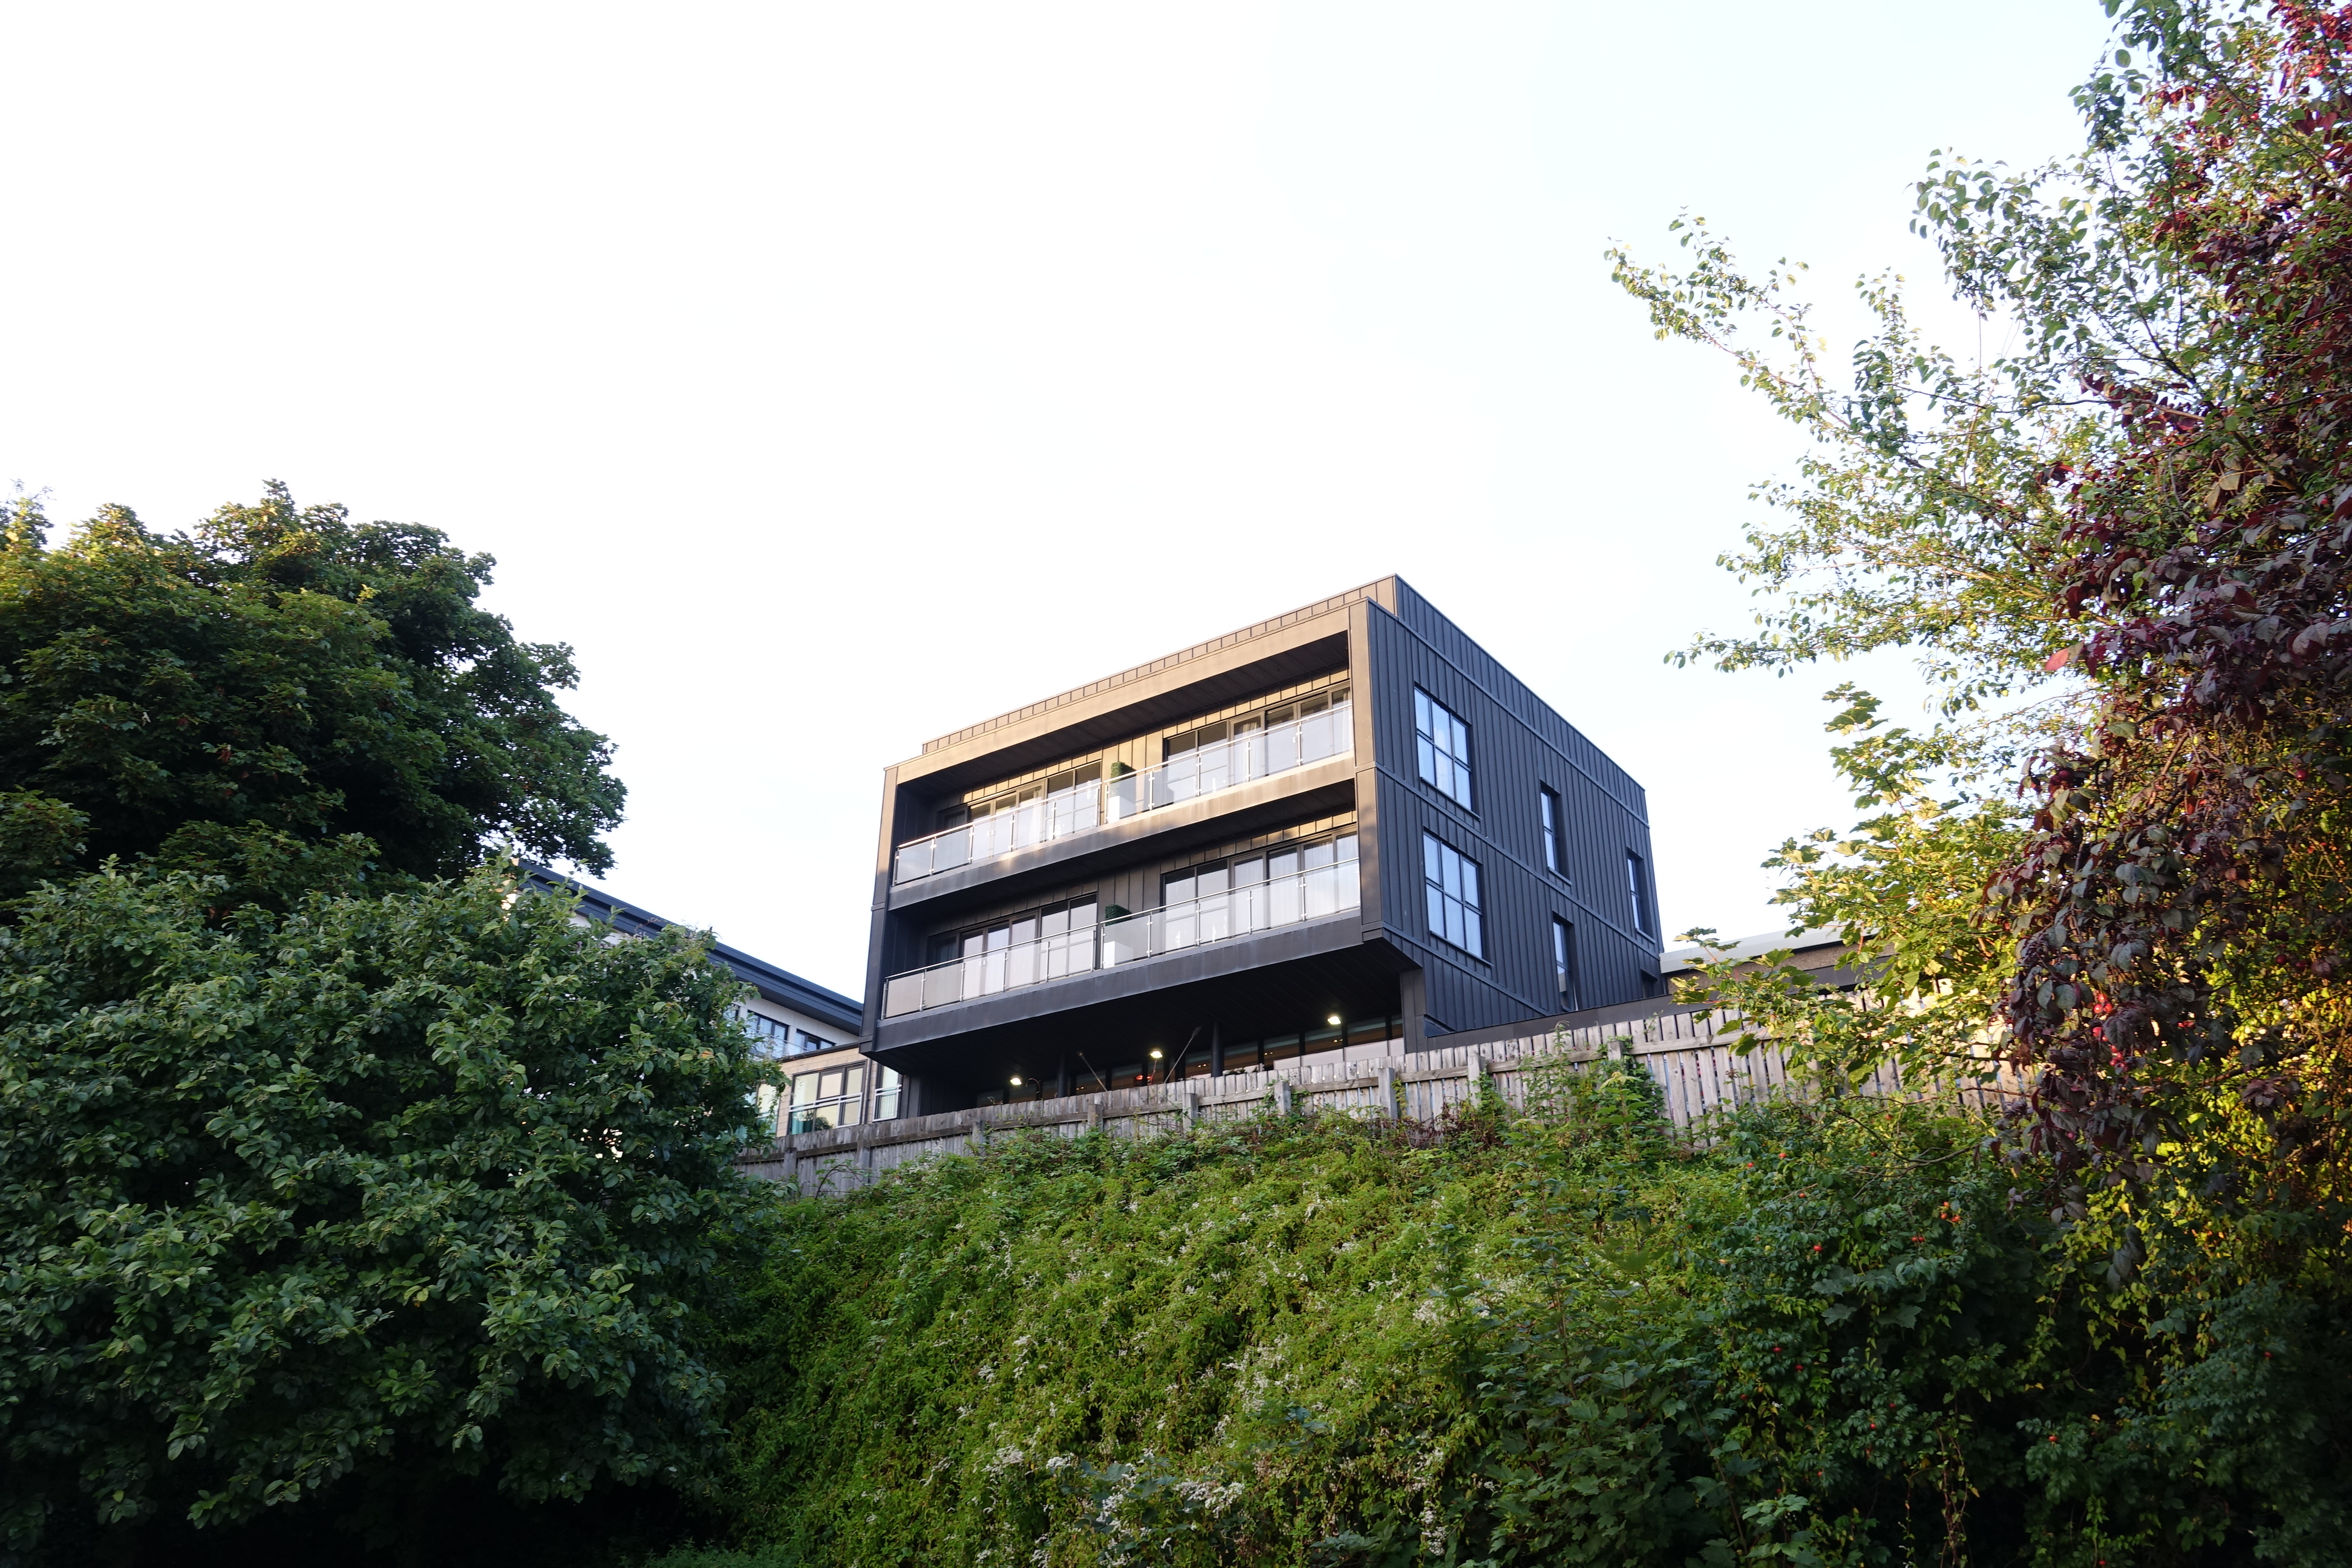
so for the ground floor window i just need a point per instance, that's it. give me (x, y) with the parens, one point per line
(830, 1097)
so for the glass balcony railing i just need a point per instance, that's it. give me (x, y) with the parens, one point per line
(1303, 896)
(1081, 808)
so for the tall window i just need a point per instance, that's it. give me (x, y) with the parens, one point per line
(886, 1094)
(1443, 742)
(1555, 859)
(1637, 883)
(1451, 881)
(1563, 962)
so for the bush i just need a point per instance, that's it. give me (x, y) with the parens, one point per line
(330, 1214)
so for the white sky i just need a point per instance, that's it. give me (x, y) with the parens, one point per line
(834, 375)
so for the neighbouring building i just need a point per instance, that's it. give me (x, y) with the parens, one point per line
(1344, 829)
(807, 1035)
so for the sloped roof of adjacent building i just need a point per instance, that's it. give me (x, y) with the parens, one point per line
(778, 985)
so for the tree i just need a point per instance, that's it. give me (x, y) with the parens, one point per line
(284, 697)
(2142, 511)
(332, 1210)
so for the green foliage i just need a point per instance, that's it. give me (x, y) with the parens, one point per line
(283, 698)
(1826, 1337)
(1904, 889)
(329, 1211)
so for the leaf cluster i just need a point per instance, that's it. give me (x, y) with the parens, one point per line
(282, 697)
(329, 1212)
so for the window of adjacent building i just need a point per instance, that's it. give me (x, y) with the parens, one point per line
(770, 1037)
(1555, 857)
(812, 1043)
(1441, 743)
(1563, 962)
(1450, 879)
(1637, 883)
(831, 1096)
(886, 1093)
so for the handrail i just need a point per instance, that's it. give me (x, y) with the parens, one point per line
(1302, 896)
(1082, 807)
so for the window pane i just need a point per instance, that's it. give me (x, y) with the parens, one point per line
(1454, 924)
(1346, 847)
(1437, 911)
(1452, 863)
(1473, 942)
(1470, 885)
(1429, 858)
(1420, 712)
(1428, 761)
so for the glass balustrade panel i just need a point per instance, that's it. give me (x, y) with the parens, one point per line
(1322, 880)
(1248, 754)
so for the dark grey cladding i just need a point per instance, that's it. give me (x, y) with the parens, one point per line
(1375, 966)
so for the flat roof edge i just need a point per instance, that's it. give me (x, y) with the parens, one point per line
(818, 1001)
(1167, 661)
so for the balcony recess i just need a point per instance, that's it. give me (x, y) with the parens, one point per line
(1101, 802)
(1319, 893)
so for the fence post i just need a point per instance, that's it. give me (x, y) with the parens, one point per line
(976, 1141)
(1095, 1115)
(1387, 1090)
(1476, 1074)
(1282, 1097)
(1192, 1109)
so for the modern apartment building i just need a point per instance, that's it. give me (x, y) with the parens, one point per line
(1346, 829)
(818, 1079)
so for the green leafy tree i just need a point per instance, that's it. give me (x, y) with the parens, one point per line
(340, 1210)
(284, 697)
(2139, 510)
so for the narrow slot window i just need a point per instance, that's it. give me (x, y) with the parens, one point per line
(1563, 962)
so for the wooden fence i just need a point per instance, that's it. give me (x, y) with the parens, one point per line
(1686, 1052)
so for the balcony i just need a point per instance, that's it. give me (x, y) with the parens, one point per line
(1315, 894)
(1101, 802)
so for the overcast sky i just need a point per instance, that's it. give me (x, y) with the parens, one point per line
(831, 377)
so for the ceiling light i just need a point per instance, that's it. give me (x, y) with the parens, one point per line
(1155, 1052)
(1017, 1081)
(1333, 1020)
